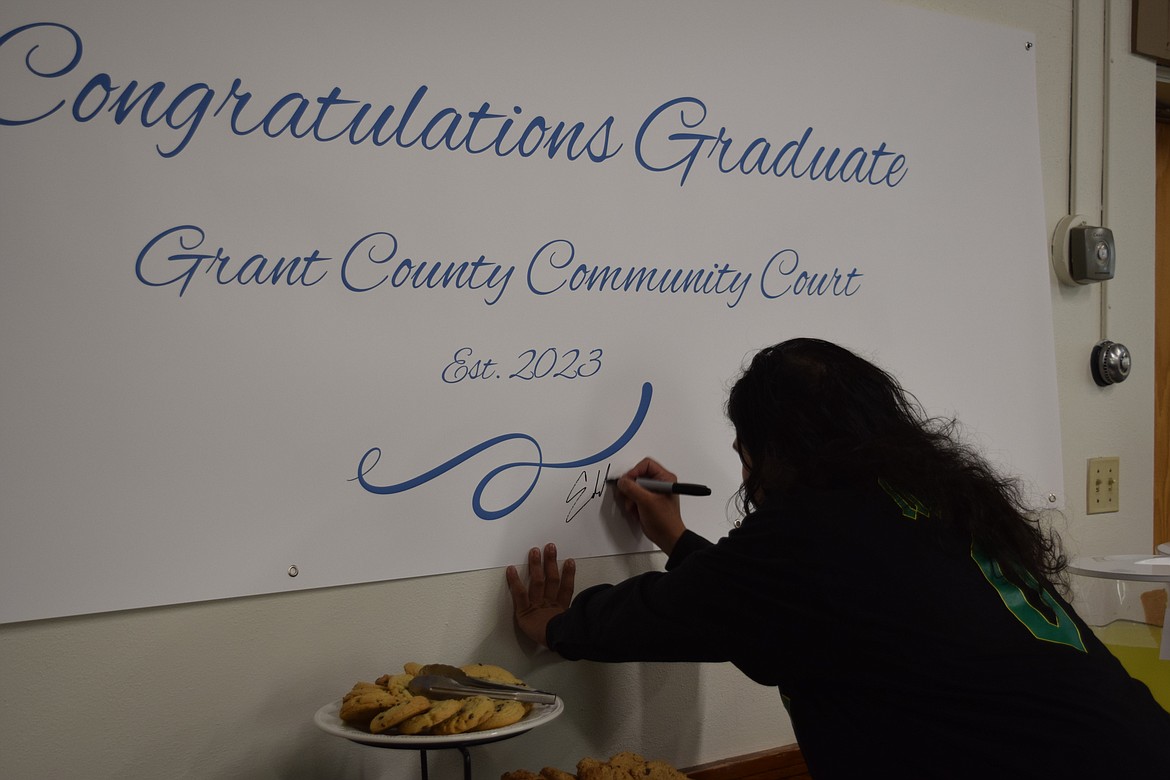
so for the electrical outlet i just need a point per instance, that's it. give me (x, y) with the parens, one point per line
(1104, 485)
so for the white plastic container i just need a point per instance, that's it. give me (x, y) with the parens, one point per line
(1123, 598)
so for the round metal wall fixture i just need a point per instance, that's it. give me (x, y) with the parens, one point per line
(1110, 363)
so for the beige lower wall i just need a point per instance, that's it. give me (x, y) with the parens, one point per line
(227, 689)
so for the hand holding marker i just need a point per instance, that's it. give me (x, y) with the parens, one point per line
(661, 486)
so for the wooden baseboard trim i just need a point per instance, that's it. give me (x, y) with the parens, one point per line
(782, 763)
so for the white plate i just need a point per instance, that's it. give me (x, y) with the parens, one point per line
(327, 719)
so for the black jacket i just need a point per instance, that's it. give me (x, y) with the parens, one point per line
(893, 643)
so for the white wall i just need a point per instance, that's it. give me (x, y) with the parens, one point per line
(227, 689)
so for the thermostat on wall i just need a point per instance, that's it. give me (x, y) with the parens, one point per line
(1083, 253)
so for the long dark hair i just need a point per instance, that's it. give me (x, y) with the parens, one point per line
(808, 413)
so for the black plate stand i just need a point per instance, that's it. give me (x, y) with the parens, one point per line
(466, 762)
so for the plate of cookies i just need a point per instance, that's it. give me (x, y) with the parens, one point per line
(385, 713)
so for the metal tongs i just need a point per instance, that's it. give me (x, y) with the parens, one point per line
(440, 681)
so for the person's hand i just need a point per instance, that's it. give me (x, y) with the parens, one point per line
(548, 593)
(658, 514)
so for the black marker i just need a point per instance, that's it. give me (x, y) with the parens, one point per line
(661, 486)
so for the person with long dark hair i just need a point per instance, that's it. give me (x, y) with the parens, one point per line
(895, 589)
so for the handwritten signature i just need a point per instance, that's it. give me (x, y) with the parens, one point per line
(585, 489)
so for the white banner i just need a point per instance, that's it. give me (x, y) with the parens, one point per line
(363, 291)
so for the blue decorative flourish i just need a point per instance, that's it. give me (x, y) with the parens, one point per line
(365, 465)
